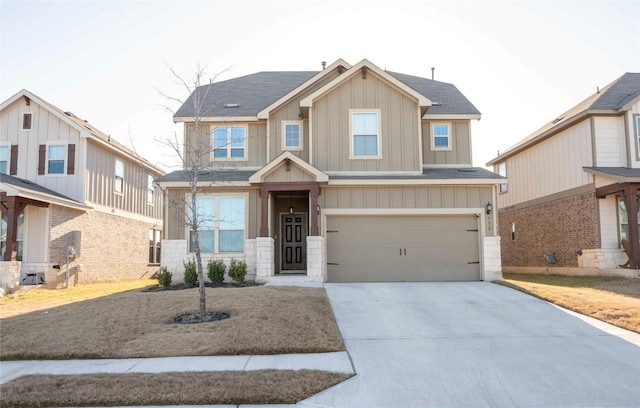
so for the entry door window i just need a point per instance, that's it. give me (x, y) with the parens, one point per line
(294, 241)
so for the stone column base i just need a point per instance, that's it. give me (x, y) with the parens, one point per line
(265, 257)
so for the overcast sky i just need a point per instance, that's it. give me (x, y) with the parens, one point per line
(521, 63)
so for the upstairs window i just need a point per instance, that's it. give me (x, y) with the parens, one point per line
(638, 130)
(4, 159)
(27, 121)
(119, 177)
(502, 170)
(150, 189)
(440, 136)
(229, 142)
(365, 134)
(56, 159)
(292, 135)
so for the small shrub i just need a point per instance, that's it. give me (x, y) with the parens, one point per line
(215, 270)
(237, 270)
(164, 277)
(190, 271)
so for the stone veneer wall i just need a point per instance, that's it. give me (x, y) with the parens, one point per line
(315, 256)
(562, 226)
(112, 247)
(175, 253)
(9, 275)
(492, 261)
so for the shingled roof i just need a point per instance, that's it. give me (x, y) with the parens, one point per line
(250, 94)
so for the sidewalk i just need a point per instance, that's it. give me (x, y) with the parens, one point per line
(335, 362)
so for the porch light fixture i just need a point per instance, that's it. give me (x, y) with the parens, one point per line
(318, 209)
(489, 207)
(291, 210)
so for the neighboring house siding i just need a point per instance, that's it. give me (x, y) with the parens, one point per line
(116, 250)
(330, 127)
(549, 167)
(562, 226)
(100, 178)
(408, 197)
(632, 125)
(609, 223)
(176, 222)
(36, 234)
(610, 141)
(460, 152)
(46, 128)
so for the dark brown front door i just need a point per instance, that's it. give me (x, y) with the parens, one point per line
(294, 241)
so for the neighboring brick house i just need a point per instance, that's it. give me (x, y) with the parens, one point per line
(570, 185)
(352, 173)
(66, 184)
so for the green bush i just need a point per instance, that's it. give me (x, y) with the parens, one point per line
(237, 270)
(215, 270)
(190, 271)
(164, 277)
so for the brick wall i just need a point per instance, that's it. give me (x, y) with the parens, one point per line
(113, 247)
(561, 226)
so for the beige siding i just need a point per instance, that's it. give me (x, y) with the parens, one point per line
(399, 131)
(295, 173)
(442, 197)
(46, 127)
(256, 144)
(549, 167)
(291, 111)
(460, 152)
(610, 142)
(100, 178)
(36, 234)
(176, 220)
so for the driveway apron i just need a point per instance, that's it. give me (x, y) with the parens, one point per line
(473, 344)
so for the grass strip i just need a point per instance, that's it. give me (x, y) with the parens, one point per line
(182, 388)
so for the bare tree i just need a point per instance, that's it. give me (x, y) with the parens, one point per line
(194, 156)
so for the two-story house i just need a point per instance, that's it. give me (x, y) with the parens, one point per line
(75, 203)
(348, 174)
(572, 196)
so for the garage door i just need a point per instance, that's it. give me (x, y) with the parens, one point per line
(376, 248)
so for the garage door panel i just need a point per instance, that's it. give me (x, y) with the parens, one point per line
(402, 248)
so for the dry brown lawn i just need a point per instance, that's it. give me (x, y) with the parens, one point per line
(135, 323)
(193, 388)
(615, 300)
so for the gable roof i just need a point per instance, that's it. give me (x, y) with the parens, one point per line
(258, 176)
(256, 93)
(365, 64)
(613, 98)
(85, 128)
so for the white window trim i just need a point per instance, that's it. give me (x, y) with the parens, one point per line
(228, 147)
(22, 120)
(284, 135)
(8, 146)
(216, 228)
(150, 189)
(352, 156)
(64, 164)
(636, 124)
(433, 137)
(115, 177)
(502, 187)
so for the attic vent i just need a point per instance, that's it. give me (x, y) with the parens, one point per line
(231, 105)
(436, 103)
(556, 120)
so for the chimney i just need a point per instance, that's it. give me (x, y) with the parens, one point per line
(433, 70)
(324, 65)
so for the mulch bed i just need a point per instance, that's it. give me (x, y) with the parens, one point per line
(189, 318)
(182, 286)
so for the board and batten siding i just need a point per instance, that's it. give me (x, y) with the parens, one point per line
(405, 197)
(256, 144)
(46, 128)
(331, 135)
(549, 167)
(290, 111)
(609, 225)
(100, 177)
(36, 234)
(460, 152)
(175, 218)
(610, 141)
(634, 132)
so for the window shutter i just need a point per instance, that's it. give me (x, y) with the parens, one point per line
(42, 158)
(13, 167)
(71, 158)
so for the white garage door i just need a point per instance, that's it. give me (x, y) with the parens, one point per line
(375, 248)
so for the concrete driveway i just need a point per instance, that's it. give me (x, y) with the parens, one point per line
(474, 344)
